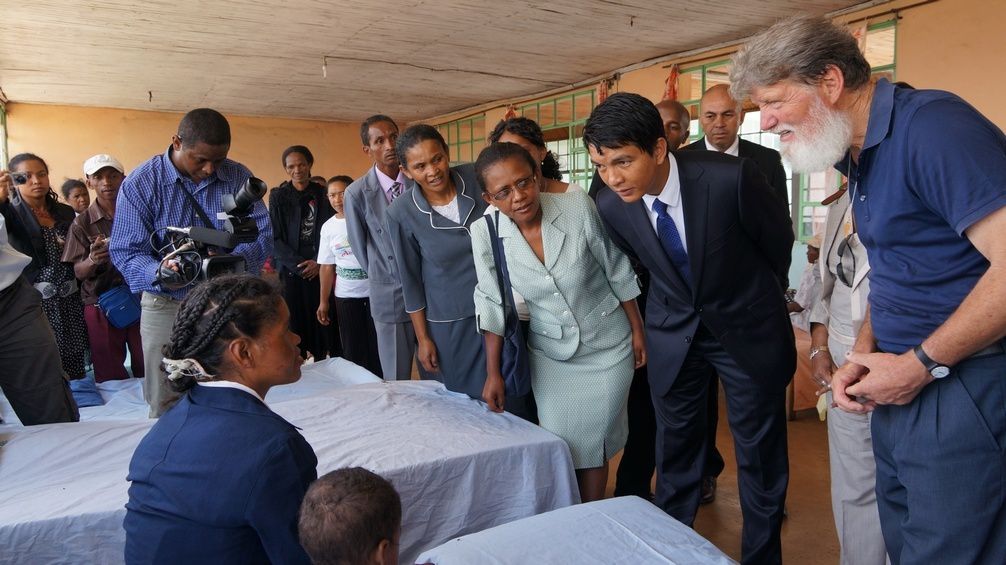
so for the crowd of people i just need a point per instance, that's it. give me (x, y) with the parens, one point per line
(637, 299)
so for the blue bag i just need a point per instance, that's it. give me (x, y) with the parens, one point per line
(120, 306)
(514, 365)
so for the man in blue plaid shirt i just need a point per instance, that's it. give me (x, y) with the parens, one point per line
(153, 197)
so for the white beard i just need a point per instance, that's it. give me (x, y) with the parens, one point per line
(820, 142)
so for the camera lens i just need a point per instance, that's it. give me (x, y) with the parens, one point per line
(250, 193)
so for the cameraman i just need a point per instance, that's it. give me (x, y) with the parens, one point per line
(169, 190)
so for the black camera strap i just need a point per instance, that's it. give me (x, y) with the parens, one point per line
(199, 209)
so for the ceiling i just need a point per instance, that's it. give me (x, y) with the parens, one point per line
(411, 59)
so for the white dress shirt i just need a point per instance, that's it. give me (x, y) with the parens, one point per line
(732, 150)
(670, 195)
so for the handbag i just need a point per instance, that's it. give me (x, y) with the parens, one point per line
(515, 364)
(120, 306)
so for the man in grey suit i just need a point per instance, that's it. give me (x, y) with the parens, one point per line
(367, 200)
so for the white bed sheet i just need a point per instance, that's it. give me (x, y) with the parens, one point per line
(124, 399)
(618, 530)
(458, 467)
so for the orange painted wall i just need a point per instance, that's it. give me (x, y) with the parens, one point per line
(67, 135)
(955, 45)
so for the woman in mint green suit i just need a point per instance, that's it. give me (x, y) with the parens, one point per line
(586, 334)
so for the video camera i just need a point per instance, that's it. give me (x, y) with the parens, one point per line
(188, 249)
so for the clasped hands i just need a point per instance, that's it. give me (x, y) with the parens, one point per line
(870, 379)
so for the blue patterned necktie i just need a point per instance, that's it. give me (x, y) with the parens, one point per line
(396, 190)
(670, 239)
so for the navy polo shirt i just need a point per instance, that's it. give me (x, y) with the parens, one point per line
(931, 166)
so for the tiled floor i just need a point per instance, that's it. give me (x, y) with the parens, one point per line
(808, 534)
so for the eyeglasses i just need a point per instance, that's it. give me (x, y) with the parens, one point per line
(522, 185)
(846, 266)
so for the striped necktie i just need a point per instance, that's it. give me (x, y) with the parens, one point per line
(396, 190)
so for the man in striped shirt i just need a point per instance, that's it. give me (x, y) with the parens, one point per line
(163, 192)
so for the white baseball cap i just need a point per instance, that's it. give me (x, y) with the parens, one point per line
(98, 162)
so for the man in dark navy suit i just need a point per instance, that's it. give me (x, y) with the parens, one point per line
(721, 116)
(717, 247)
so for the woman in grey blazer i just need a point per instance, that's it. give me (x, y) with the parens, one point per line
(429, 231)
(586, 334)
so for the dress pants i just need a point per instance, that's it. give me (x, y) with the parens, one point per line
(357, 333)
(32, 375)
(635, 470)
(157, 316)
(757, 419)
(396, 342)
(853, 481)
(302, 297)
(108, 346)
(941, 468)
(714, 459)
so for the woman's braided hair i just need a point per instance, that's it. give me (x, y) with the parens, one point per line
(215, 313)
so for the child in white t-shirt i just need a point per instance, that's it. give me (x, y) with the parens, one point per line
(352, 289)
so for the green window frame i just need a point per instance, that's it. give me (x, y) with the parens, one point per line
(465, 138)
(561, 119)
(704, 71)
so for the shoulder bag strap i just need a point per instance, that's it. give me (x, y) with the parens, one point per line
(502, 274)
(199, 209)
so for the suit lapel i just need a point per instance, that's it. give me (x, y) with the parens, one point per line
(378, 201)
(466, 203)
(552, 237)
(695, 200)
(639, 219)
(518, 251)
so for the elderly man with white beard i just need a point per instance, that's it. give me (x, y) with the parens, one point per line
(927, 178)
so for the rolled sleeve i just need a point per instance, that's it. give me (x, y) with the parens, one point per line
(489, 315)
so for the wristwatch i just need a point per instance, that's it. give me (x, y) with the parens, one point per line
(937, 370)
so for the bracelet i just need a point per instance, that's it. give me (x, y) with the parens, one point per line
(817, 350)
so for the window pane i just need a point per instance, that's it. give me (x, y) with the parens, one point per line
(564, 110)
(479, 128)
(584, 104)
(880, 47)
(690, 85)
(464, 131)
(530, 112)
(546, 114)
(464, 153)
(719, 74)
